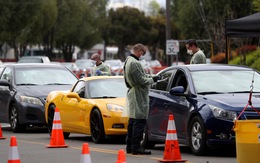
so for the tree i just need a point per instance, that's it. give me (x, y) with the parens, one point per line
(153, 8)
(256, 5)
(205, 19)
(127, 26)
(77, 25)
(25, 22)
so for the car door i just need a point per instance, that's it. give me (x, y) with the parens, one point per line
(73, 110)
(179, 105)
(157, 119)
(5, 94)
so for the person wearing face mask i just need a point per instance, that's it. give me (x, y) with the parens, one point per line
(197, 56)
(137, 99)
(100, 68)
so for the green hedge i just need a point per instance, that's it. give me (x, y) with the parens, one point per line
(252, 60)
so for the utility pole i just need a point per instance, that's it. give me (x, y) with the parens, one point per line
(168, 20)
(168, 29)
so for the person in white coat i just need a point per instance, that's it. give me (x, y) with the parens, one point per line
(138, 83)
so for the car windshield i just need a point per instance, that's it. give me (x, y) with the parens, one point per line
(108, 88)
(225, 81)
(44, 76)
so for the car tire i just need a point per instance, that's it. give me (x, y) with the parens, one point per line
(197, 136)
(14, 120)
(97, 127)
(145, 143)
(66, 135)
(51, 112)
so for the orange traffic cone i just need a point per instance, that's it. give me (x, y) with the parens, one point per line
(1, 134)
(57, 138)
(85, 157)
(121, 156)
(171, 150)
(13, 156)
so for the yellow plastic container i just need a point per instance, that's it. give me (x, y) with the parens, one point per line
(247, 141)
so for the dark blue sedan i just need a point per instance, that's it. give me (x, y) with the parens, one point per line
(205, 100)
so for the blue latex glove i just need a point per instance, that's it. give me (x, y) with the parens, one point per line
(98, 72)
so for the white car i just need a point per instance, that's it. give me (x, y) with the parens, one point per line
(114, 65)
(34, 59)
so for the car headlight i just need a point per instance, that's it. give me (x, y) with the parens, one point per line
(31, 100)
(115, 108)
(223, 114)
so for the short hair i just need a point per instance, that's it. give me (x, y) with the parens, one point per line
(95, 55)
(138, 47)
(192, 42)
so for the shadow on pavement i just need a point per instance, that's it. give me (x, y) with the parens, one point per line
(225, 151)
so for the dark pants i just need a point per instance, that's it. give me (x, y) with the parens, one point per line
(134, 133)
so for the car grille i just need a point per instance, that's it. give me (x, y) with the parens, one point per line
(251, 113)
(252, 116)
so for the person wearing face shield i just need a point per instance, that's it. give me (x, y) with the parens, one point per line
(100, 68)
(197, 55)
(137, 99)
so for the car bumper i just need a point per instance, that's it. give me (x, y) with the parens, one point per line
(30, 114)
(115, 125)
(220, 132)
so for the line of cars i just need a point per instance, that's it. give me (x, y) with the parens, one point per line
(204, 99)
(30, 92)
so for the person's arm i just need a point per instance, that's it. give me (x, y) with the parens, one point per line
(103, 70)
(106, 71)
(138, 75)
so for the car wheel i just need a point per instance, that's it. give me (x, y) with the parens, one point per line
(51, 112)
(197, 138)
(145, 143)
(97, 127)
(14, 120)
(66, 135)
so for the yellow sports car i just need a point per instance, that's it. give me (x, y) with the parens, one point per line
(93, 106)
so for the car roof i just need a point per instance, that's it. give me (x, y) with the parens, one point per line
(203, 67)
(82, 60)
(113, 60)
(32, 65)
(35, 56)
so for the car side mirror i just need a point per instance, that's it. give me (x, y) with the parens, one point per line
(4, 83)
(177, 91)
(74, 95)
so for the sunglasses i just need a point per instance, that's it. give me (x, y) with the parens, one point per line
(143, 51)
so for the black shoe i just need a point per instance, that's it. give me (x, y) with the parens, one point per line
(128, 150)
(141, 151)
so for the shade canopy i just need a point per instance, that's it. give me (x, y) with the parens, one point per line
(248, 26)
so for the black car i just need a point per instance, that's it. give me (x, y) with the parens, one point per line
(205, 100)
(23, 91)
